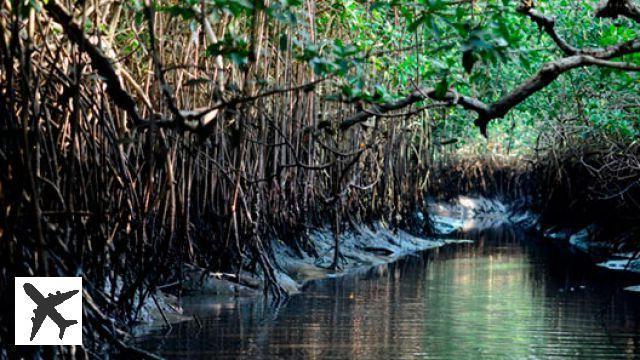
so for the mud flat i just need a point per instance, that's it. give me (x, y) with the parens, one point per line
(361, 247)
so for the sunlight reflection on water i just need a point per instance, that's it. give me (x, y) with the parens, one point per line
(501, 297)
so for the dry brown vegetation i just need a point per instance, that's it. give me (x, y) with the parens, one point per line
(96, 181)
(104, 173)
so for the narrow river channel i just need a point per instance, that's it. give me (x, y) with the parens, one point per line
(507, 295)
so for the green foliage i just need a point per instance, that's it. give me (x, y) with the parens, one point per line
(235, 48)
(379, 51)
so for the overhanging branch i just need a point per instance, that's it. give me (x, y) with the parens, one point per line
(549, 72)
(99, 61)
(615, 8)
(451, 98)
(548, 24)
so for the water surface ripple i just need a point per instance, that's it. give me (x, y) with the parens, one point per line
(505, 296)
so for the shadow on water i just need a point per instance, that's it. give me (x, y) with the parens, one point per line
(504, 296)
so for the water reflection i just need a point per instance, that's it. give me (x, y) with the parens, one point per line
(501, 297)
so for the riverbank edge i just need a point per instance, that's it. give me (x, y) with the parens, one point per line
(587, 241)
(595, 241)
(362, 246)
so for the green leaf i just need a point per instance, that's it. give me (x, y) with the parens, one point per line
(442, 88)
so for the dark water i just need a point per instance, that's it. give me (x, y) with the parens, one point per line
(504, 296)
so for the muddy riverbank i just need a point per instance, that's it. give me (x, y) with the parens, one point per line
(361, 247)
(367, 246)
(507, 293)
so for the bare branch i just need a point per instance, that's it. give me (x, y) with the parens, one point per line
(99, 60)
(451, 98)
(548, 23)
(246, 99)
(157, 65)
(546, 75)
(614, 8)
(613, 64)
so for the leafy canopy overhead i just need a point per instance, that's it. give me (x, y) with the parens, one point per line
(531, 62)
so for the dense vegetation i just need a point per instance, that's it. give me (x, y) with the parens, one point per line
(141, 135)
